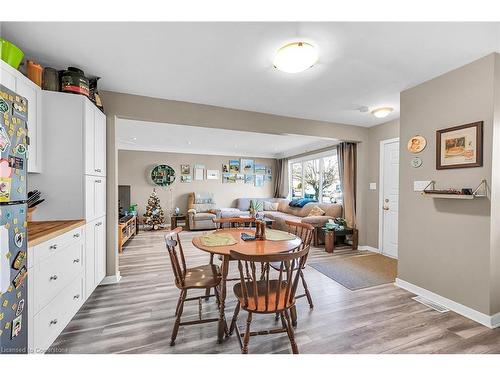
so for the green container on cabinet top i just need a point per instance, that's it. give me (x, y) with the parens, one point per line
(10, 53)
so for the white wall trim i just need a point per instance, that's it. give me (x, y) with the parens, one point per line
(114, 279)
(381, 192)
(490, 321)
(368, 248)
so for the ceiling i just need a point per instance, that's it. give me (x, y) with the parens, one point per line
(151, 136)
(230, 64)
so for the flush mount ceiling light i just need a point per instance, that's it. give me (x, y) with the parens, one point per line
(295, 57)
(382, 112)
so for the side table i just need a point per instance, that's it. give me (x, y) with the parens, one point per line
(331, 235)
(174, 219)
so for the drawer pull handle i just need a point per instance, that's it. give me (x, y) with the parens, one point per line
(76, 296)
(76, 260)
(53, 277)
(98, 181)
(53, 247)
(97, 170)
(53, 322)
(98, 224)
(76, 235)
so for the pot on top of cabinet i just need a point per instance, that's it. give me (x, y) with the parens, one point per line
(73, 80)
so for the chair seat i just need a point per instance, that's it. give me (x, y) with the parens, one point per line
(261, 300)
(202, 277)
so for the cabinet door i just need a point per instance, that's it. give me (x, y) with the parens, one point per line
(100, 196)
(33, 94)
(89, 130)
(100, 250)
(7, 78)
(90, 259)
(99, 143)
(95, 197)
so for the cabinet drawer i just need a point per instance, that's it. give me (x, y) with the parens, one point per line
(54, 246)
(51, 320)
(55, 273)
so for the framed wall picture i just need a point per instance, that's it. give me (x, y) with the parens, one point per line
(212, 174)
(460, 146)
(416, 144)
(185, 169)
(199, 173)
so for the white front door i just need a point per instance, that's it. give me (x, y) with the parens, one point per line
(389, 194)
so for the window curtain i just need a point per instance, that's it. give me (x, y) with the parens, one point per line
(346, 153)
(281, 179)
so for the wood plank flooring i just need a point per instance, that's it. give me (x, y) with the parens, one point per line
(137, 315)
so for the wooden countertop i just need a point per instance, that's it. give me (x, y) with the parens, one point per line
(41, 231)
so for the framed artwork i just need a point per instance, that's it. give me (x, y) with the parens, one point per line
(186, 178)
(228, 178)
(234, 166)
(249, 179)
(460, 146)
(199, 174)
(212, 174)
(260, 169)
(225, 168)
(240, 177)
(259, 180)
(162, 175)
(247, 166)
(185, 169)
(416, 144)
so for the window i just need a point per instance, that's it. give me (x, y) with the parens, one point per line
(316, 177)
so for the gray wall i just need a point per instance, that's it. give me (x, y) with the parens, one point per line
(134, 165)
(444, 245)
(376, 134)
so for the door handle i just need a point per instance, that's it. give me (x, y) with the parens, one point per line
(53, 277)
(76, 260)
(386, 206)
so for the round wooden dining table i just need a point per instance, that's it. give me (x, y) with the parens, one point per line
(255, 247)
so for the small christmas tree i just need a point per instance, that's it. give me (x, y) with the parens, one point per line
(154, 214)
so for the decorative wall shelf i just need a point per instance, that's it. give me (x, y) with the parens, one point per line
(479, 192)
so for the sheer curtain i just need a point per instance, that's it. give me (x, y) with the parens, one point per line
(346, 153)
(281, 179)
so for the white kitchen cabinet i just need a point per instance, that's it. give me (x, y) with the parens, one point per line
(17, 82)
(95, 254)
(95, 197)
(95, 140)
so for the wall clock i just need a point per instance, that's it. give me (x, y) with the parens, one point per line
(416, 162)
(162, 175)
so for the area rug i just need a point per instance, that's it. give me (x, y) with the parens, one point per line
(359, 271)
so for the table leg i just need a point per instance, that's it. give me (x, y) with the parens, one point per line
(355, 239)
(222, 318)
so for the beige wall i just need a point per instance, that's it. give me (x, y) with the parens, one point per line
(444, 245)
(376, 134)
(133, 167)
(134, 107)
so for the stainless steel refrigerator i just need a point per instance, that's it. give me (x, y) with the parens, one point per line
(13, 226)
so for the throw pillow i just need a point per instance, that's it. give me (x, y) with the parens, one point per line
(316, 211)
(270, 206)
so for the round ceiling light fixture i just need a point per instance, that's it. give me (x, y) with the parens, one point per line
(295, 57)
(382, 112)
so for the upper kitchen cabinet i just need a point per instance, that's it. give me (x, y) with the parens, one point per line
(17, 82)
(73, 179)
(95, 140)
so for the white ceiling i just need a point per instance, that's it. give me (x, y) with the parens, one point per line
(151, 136)
(230, 64)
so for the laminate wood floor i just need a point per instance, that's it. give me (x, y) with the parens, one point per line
(137, 315)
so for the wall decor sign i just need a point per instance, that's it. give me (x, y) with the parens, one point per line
(460, 146)
(416, 162)
(212, 174)
(416, 144)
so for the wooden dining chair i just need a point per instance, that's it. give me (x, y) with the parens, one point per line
(201, 277)
(261, 294)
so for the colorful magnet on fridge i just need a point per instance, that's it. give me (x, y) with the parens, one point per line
(7, 325)
(4, 107)
(8, 254)
(1, 316)
(5, 303)
(14, 221)
(20, 257)
(20, 277)
(21, 149)
(4, 139)
(14, 307)
(10, 288)
(15, 162)
(20, 307)
(19, 294)
(18, 240)
(16, 326)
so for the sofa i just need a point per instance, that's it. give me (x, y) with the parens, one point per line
(201, 211)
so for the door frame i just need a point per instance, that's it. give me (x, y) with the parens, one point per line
(381, 192)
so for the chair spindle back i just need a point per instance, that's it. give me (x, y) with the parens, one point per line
(172, 240)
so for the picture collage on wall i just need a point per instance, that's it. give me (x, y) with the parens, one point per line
(243, 171)
(246, 171)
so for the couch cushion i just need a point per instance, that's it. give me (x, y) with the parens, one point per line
(316, 221)
(204, 198)
(243, 204)
(203, 207)
(316, 211)
(204, 216)
(270, 206)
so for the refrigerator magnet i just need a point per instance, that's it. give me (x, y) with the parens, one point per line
(21, 149)
(4, 107)
(20, 277)
(20, 257)
(4, 139)
(1, 316)
(16, 326)
(7, 325)
(19, 294)
(14, 307)
(15, 162)
(18, 240)
(20, 307)
(5, 184)
(5, 303)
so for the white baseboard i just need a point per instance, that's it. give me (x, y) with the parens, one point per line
(490, 321)
(368, 248)
(114, 279)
